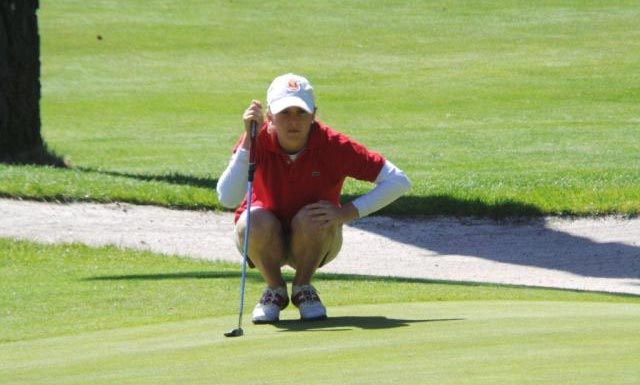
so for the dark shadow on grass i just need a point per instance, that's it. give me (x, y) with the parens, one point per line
(353, 322)
(176, 276)
(171, 178)
(508, 232)
(320, 276)
(254, 276)
(444, 205)
(38, 156)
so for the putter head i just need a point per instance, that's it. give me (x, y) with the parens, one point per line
(234, 333)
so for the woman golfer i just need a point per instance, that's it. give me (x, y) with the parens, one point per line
(296, 215)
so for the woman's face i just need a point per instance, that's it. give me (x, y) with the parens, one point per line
(292, 126)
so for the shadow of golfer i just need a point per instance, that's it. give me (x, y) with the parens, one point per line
(352, 322)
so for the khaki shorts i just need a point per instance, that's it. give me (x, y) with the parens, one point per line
(287, 260)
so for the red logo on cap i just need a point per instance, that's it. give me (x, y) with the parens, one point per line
(293, 85)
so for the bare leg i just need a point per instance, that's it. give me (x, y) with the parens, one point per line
(311, 246)
(266, 244)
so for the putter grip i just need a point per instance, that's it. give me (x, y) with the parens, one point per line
(252, 150)
(254, 129)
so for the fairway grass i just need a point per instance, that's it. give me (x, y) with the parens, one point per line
(480, 342)
(491, 108)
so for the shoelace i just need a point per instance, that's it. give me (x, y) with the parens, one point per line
(272, 296)
(306, 294)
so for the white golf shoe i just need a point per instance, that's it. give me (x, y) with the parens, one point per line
(267, 310)
(306, 299)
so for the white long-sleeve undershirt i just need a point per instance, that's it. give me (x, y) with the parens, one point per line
(391, 183)
(232, 185)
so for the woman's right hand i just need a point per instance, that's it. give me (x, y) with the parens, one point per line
(253, 113)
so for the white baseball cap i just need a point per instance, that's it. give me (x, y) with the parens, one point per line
(290, 90)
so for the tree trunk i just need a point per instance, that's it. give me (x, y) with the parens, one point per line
(20, 139)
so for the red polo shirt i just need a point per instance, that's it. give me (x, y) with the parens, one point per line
(283, 186)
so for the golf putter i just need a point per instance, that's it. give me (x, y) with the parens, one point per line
(245, 247)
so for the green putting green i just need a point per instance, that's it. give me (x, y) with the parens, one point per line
(480, 342)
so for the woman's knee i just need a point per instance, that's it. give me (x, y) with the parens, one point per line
(309, 242)
(264, 224)
(303, 226)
